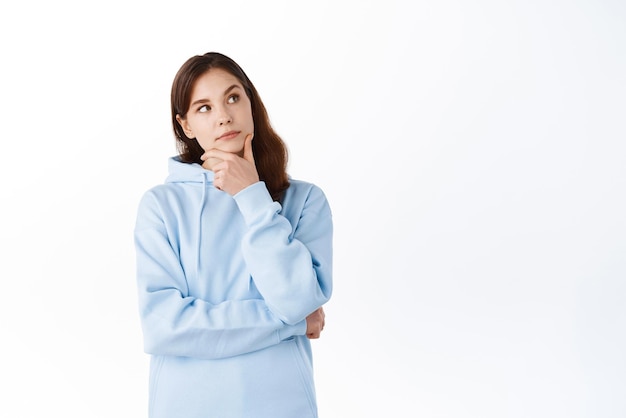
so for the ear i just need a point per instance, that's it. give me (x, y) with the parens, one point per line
(185, 125)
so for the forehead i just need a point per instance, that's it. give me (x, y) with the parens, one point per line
(214, 83)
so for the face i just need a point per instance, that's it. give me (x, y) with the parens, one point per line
(220, 115)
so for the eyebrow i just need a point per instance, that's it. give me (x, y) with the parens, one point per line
(228, 90)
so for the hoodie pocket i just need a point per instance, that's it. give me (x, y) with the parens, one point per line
(156, 364)
(305, 370)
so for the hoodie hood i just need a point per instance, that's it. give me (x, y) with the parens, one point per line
(180, 172)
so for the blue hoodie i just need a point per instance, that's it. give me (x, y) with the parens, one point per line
(224, 285)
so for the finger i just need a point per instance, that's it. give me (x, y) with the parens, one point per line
(247, 149)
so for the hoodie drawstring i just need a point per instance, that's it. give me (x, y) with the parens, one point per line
(204, 186)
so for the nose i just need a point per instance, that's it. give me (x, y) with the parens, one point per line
(224, 117)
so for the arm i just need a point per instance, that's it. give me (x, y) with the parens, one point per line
(291, 265)
(174, 323)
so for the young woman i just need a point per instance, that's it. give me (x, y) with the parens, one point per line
(234, 259)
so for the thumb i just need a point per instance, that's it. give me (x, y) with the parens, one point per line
(247, 149)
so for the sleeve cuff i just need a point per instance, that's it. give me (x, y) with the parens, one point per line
(253, 200)
(292, 330)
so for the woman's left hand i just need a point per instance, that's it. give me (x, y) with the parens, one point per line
(234, 173)
(315, 323)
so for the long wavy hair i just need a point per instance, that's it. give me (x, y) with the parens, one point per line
(270, 152)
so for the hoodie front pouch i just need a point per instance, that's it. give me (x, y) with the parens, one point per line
(305, 370)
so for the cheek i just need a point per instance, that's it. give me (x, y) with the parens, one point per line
(202, 125)
(247, 116)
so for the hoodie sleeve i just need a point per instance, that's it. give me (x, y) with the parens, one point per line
(290, 262)
(179, 325)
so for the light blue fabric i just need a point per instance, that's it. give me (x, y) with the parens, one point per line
(224, 285)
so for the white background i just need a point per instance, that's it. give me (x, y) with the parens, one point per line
(473, 153)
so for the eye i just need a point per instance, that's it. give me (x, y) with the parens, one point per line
(204, 108)
(233, 98)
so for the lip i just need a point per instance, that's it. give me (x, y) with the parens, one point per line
(229, 135)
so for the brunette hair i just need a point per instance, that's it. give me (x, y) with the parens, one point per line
(270, 152)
